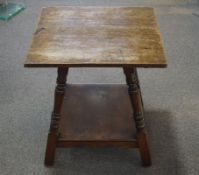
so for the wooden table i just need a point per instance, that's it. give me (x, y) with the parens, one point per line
(97, 115)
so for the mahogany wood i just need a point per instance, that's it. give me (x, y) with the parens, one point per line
(136, 101)
(96, 112)
(97, 115)
(94, 115)
(99, 143)
(53, 132)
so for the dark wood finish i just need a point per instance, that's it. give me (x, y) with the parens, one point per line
(106, 122)
(132, 143)
(98, 116)
(93, 115)
(96, 112)
(96, 36)
(53, 132)
(136, 101)
(138, 83)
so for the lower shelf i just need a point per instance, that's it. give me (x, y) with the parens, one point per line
(97, 115)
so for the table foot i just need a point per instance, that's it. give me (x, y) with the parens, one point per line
(144, 148)
(50, 149)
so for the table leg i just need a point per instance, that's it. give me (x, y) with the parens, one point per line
(53, 132)
(136, 101)
(138, 83)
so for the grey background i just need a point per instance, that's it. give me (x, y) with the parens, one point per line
(171, 98)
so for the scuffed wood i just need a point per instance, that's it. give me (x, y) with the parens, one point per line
(94, 36)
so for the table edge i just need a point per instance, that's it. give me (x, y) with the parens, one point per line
(26, 65)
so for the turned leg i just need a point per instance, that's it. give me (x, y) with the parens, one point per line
(53, 132)
(138, 83)
(136, 101)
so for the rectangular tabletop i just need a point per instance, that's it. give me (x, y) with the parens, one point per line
(96, 36)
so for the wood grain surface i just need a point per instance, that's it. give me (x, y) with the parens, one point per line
(96, 36)
(97, 112)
